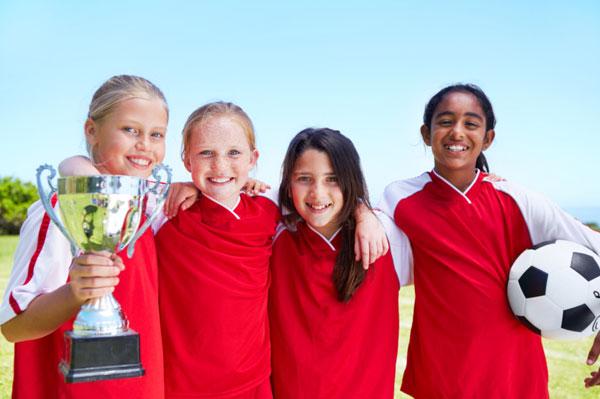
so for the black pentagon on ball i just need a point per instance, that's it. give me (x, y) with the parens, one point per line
(585, 265)
(528, 324)
(533, 282)
(578, 318)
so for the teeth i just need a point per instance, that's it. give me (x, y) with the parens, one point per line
(219, 179)
(319, 207)
(140, 161)
(456, 148)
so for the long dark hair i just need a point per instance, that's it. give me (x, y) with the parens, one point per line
(484, 102)
(348, 274)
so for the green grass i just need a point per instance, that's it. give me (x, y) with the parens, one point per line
(566, 360)
(7, 247)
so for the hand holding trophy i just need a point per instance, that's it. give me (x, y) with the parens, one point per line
(102, 213)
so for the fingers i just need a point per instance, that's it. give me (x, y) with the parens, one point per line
(169, 206)
(263, 187)
(255, 187)
(94, 274)
(594, 379)
(365, 253)
(385, 248)
(186, 204)
(181, 196)
(594, 351)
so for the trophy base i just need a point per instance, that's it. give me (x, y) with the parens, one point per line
(93, 358)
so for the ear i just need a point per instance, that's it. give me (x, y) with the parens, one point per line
(187, 163)
(254, 158)
(90, 128)
(488, 139)
(426, 134)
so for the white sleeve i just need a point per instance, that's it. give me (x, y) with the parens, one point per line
(547, 222)
(41, 263)
(399, 248)
(398, 190)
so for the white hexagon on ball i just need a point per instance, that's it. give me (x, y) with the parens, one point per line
(554, 289)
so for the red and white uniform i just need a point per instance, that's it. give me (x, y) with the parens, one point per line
(323, 348)
(465, 341)
(41, 265)
(214, 280)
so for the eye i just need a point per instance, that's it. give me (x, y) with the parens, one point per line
(157, 135)
(205, 153)
(445, 122)
(234, 153)
(303, 179)
(130, 130)
(472, 125)
(331, 179)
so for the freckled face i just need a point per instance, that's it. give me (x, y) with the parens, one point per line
(458, 134)
(220, 158)
(315, 192)
(131, 139)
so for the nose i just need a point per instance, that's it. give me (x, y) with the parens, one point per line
(142, 142)
(457, 132)
(315, 189)
(218, 163)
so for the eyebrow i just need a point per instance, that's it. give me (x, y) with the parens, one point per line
(310, 173)
(471, 114)
(136, 122)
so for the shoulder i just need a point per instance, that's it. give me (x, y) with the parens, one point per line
(282, 230)
(401, 189)
(520, 194)
(266, 204)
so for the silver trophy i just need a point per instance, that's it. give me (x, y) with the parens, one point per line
(101, 213)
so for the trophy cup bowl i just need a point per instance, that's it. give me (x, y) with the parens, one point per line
(101, 213)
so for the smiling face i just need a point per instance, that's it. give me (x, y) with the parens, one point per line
(457, 136)
(130, 140)
(219, 157)
(315, 192)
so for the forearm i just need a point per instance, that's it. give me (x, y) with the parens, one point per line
(43, 315)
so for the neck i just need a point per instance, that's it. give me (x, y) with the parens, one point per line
(459, 179)
(326, 231)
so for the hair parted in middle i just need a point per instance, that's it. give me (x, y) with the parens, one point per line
(348, 274)
(212, 110)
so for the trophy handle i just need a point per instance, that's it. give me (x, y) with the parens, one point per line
(161, 196)
(46, 192)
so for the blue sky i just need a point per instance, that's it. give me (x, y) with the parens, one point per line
(365, 68)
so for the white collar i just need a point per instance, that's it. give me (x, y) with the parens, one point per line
(462, 194)
(225, 206)
(328, 241)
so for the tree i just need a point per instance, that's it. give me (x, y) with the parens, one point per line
(15, 198)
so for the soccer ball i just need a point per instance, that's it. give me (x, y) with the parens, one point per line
(554, 289)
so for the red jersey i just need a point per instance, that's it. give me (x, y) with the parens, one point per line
(465, 341)
(42, 262)
(214, 279)
(321, 347)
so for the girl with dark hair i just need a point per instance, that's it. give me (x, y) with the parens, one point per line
(334, 326)
(465, 231)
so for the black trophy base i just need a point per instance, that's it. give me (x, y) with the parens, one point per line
(101, 357)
